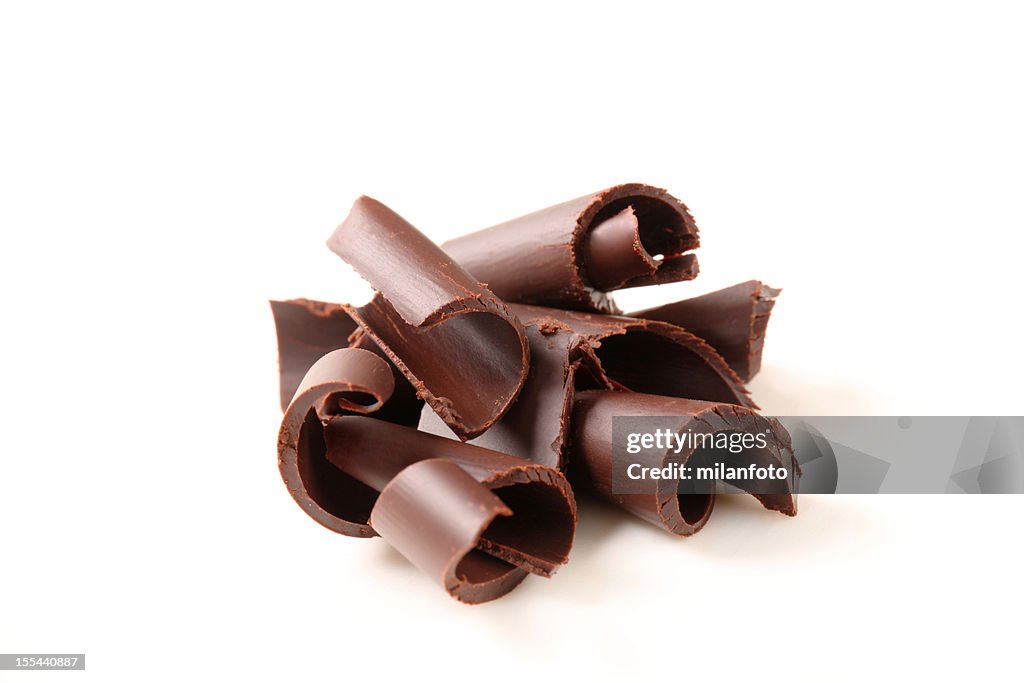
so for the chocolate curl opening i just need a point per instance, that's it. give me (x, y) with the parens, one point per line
(673, 363)
(535, 538)
(733, 320)
(428, 309)
(639, 240)
(613, 252)
(343, 381)
(643, 356)
(666, 505)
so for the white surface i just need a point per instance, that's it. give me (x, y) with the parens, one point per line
(167, 170)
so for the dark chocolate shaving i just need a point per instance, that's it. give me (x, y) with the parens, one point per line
(460, 347)
(306, 331)
(665, 506)
(480, 521)
(535, 426)
(571, 254)
(405, 406)
(440, 532)
(733, 320)
(346, 381)
(306, 328)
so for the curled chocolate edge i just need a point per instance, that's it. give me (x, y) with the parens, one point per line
(683, 514)
(571, 254)
(535, 427)
(306, 331)
(733, 320)
(344, 381)
(428, 308)
(644, 356)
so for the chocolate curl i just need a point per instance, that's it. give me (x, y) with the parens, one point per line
(664, 506)
(429, 311)
(345, 381)
(646, 356)
(306, 331)
(535, 426)
(476, 520)
(306, 327)
(439, 533)
(733, 320)
(572, 254)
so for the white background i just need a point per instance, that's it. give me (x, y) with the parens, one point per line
(165, 169)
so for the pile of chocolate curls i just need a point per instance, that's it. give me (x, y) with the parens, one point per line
(454, 413)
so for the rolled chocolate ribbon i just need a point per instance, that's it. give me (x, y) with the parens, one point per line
(345, 381)
(306, 331)
(570, 255)
(474, 519)
(535, 427)
(733, 320)
(662, 503)
(439, 533)
(459, 345)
